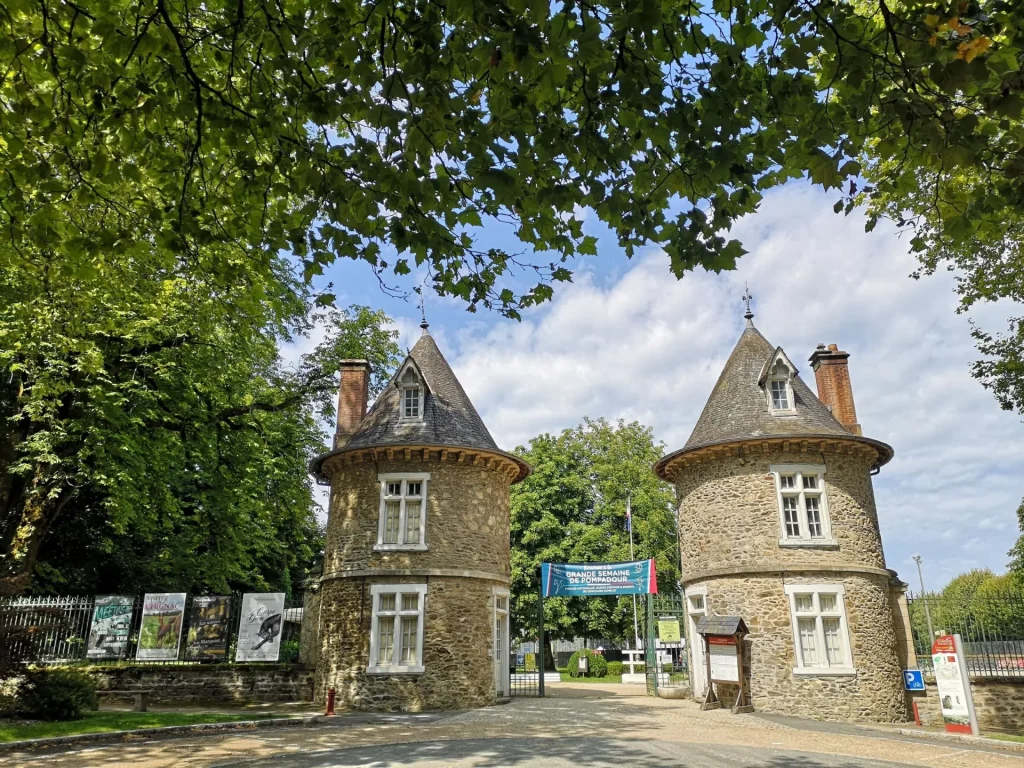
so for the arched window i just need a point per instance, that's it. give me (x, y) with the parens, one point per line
(411, 402)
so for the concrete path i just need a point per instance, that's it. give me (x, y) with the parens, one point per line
(588, 725)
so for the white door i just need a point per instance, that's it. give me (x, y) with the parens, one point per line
(696, 604)
(501, 650)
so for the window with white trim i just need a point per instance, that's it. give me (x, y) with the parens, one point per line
(411, 401)
(780, 389)
(803, 506)
(821, 636)
(403, 511)
(396, 630)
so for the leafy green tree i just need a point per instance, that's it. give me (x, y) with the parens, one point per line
(162, 406)
(572, 509)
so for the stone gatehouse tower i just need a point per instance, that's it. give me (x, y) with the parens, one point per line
(414, 592)
(777, 524)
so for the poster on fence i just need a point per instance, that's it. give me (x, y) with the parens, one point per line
(163, 614)
(954, 684)
(111, 623)
(208, 628)
(259, 627)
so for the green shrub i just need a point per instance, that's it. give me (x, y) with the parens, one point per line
(615, 668)
(56, 694)
(289, 652)
(598, 664)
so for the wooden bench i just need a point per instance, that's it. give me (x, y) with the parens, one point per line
(141, 698)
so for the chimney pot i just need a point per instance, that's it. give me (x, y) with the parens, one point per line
(353, 393)
(832, 377)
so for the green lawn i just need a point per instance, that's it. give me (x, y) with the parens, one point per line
(101, 722)
(1005, 737)
(606, 679)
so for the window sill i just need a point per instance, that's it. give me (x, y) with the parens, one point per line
(395, 670)
(825, 671)
(810, 543)
(400, 547)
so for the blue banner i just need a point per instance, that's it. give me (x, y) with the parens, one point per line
(592, 579)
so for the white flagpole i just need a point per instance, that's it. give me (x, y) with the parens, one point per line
(629, 517)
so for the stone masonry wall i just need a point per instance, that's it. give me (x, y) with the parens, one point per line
(998, 702)
(467, 518)
(457, 647)
(729, 514)
(225, 683)
(875, 693)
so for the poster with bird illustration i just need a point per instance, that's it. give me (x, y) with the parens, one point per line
(259, 627)
(163, 614)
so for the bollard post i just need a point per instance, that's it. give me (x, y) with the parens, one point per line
(917, 714)
(330, 701)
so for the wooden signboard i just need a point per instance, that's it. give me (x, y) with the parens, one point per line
(723, 651)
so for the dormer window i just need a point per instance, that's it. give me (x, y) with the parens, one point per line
(411, 402)
(777, 380)
(780, 395)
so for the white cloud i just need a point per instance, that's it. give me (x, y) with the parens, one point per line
(650, 348)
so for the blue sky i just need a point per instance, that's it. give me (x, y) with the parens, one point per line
(627, 340)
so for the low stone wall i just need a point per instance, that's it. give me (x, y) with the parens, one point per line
(998, 702)
(225, 683)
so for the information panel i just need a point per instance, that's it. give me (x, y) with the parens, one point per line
(724, 663)
(163, 614)
(954, 685)
(591, 579)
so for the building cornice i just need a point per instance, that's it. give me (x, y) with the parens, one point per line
(512, 467)
(453, 573)
(782, 570)
(875, 451)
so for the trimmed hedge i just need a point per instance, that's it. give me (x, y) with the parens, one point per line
(598, 664)
(615, 668)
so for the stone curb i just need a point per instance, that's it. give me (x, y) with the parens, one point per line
(1011, 746)
(167, 730)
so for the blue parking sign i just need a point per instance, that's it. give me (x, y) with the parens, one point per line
(913, 679)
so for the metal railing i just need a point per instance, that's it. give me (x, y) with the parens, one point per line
(55, 630)
(991, 626)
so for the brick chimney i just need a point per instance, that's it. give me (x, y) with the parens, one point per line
(352, 396)
(832, 376)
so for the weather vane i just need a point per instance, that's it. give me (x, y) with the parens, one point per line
(747, 297)
(423, 311)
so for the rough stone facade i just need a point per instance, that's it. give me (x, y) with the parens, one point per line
(467, 524)
(223, 683)
(729, 513)
(467, 557)
(998, 702)
(729, 529)
(875, 693)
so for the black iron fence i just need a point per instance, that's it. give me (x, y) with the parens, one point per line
(991, 627)
(56, 630)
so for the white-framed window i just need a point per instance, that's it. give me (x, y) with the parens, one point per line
(410, 403)
(803, 505)
(396, 629)
(500, 641)
(779, 389)
(403, 511)
(821, 635)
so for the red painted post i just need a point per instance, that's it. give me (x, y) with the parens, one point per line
(330, 701)
(917, 715)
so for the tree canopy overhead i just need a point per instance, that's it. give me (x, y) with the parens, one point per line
(225, 131)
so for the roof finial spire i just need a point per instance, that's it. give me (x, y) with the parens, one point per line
(423, 312)
(747, 297)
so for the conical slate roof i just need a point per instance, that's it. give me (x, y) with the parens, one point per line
(449, 418)
(738, 406)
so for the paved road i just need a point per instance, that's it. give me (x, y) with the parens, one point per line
(588, 725)
(557, 753)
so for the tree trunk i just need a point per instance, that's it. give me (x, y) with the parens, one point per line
(30, 516)
(549, 655)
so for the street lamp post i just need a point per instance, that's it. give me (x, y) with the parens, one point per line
(924, 597)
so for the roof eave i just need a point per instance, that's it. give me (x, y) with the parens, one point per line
(884, 451)
(316, 465)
